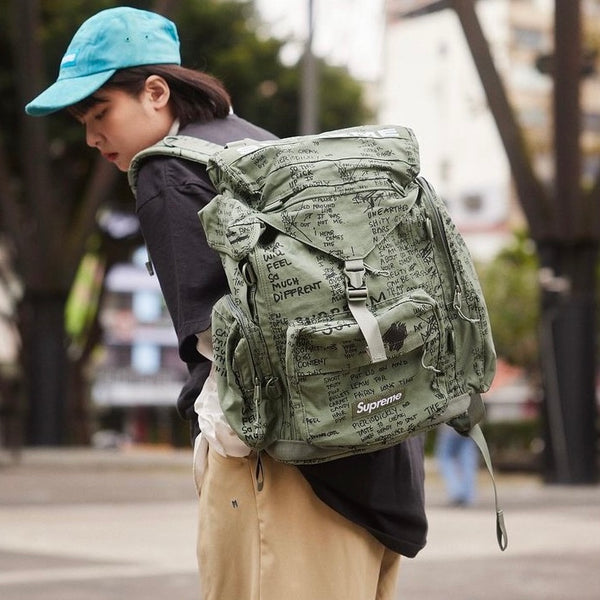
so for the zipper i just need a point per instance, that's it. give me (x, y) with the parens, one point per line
(240, 317)
(258, 376)
(270, 384)
(277, 204)
(439, 227)
(435, 308)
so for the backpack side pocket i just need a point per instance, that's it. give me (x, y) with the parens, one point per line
(246, 388)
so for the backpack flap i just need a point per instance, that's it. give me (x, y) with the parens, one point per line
(265, 174)
(341, 221)
(231, 227)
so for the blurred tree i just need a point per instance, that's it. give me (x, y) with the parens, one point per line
(511, 290)
(221, 38)
(52, 186)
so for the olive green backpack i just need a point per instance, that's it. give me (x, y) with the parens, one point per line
(355, 317)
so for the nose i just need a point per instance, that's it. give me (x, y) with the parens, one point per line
(92, 137)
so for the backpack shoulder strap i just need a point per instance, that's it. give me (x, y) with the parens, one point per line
(180, 146)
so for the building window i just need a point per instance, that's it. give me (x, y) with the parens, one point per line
(117, 356)
(145, 358)
(472, 203)
(591, 122)
(528, 38)
(591, 167)
(147, 306)
(534, 117)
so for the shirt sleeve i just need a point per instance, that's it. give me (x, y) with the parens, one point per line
(170, 194)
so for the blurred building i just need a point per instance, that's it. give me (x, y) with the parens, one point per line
(139, 370)
(430, 84)
(11, 291)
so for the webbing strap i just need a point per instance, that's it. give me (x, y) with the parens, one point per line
(183, 146)
(501, 534)
(356, 291)
(191, 147)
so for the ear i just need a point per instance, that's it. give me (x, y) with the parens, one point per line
(157, 91)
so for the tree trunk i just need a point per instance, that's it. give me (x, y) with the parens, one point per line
(45, 362)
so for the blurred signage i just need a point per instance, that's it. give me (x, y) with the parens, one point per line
(127, 387)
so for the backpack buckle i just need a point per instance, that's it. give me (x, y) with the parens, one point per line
(355, 273)
(357, 294)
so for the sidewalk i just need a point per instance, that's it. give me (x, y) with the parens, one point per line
(82, 524)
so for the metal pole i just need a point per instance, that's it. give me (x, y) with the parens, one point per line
(310, 88)
(573, 435)
(567, 78)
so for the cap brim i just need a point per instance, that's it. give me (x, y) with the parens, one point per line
(66, 92)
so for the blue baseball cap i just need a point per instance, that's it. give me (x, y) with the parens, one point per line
(112, 39)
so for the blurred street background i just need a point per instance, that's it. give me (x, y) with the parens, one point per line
(108, 525)
(96, 494)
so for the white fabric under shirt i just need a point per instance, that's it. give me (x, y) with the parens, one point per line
(214, 429)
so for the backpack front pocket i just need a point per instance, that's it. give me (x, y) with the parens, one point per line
(244, 384)
(341, 398)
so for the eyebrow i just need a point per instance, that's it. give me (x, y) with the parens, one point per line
(81, 109)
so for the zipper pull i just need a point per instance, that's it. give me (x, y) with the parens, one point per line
(457, 304)
(429, 228)
(257, 393)
(257, 397)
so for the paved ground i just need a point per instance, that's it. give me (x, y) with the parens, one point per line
(114, 525)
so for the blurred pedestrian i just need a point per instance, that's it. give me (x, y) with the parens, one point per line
(334, 530)
(458, 462)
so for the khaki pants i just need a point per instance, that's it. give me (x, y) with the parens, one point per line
(282, 542)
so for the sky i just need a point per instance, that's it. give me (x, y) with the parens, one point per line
(346, 32)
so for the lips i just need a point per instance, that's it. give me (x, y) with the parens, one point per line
(110, 156)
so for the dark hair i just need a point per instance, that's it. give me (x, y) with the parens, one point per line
(195, 96)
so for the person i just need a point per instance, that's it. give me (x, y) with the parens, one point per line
(333, 530)
(458, 462)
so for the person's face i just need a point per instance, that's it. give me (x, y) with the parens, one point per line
(121, 125)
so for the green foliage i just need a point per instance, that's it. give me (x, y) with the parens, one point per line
(343, 105)
(511, 289)
(219, 36)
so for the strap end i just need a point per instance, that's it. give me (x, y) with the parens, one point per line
(501, 533)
